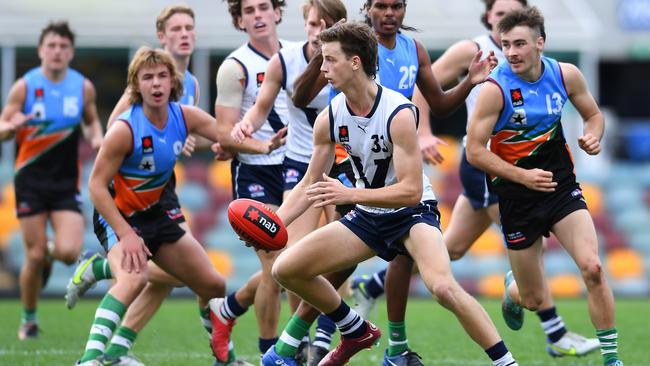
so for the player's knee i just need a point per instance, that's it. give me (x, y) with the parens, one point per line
(592, 272)
(36, 255)
(133, 282)
(68, 256)
(214, 287)
(444, 293)
(456, 253)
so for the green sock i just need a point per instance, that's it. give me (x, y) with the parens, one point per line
(397, 342)
(608, 344)
(28, 316)
(122, 342)
(232, 357)
(107, 317)
(291, 336)
(101, 269)
(204, 313)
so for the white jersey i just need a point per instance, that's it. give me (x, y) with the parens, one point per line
(254, 64)
(486, 44)
(368, 141)
(300, 145)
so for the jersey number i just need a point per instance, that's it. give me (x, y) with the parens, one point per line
(379, 180)
(557, 100)
(408, 75)
(376, 147)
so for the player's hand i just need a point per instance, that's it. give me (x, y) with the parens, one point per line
(539, 180)
(220, 153)
(329, 191)
(429, 148)
(135, 252)
(189, 146)
(479, 69)
(241, 130)
(277, 140)
(589, 143)
(19, 119)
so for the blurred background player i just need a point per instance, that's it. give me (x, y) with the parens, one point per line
(143, 145)
(477, 208)
(175, 29)
(57, 99)
(257, 166)
(531, 169)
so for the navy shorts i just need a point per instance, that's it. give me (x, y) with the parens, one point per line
(475, 185)
(523, 221)
(169, 201)
(293, 173)
(384, 233)
(154, 226)
(263, 183)
(34, 201)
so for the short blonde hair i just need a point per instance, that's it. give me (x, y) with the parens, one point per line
(169, 11)
(150, 57)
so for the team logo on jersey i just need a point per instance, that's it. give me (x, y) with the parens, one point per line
(291, 176)
(178, 147)
(516, 97)
(256, 190)
(519, 117)
(147, 163)
(260, 78)
(344, 134)
(147, 145)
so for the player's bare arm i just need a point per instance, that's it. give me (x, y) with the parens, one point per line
(231, 83)
(15, 102)
(481, 125)
(269, 90)
(583, 101)
(321, 161)
(307, 86)
(200, 122)
(91, 127)
(115, 147)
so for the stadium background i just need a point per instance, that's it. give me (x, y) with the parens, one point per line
(609, 40)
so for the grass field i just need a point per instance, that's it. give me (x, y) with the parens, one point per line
(175, 336)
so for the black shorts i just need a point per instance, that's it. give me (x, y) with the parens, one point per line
(344, 173)
(384, 232)
(263, 183)
(523, 221)
(154, 226)
(169, 201)
(31, 201)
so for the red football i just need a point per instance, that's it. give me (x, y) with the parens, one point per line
(257, 224)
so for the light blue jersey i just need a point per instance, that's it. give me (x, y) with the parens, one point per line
(189, 89)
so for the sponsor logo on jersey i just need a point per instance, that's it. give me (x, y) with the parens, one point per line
(516, 97)
(147, 163)
(147, 145)
(262, 221)
(344, 134)
(259, 78)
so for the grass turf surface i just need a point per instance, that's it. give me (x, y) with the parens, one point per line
(176, 337)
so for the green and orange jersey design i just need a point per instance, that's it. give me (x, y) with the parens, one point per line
(528, 132)
(143, 175)
(47, 145)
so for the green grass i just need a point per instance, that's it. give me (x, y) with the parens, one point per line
(175, 336)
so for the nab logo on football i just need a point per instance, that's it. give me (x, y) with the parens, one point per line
(261, 220)
(344, 134)
(516, 97)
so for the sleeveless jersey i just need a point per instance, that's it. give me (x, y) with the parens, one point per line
(299, 146)
(189, 89)
(254, 64)
(486, 44)
(144, 173)
(528, 132)
(398, 67)
(46, 146)
(368, 141)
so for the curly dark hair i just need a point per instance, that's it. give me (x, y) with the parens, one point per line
(488, 6)
(234, 8)
(364, 11)
(61, 28)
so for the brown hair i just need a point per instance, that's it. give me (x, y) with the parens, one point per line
(329, 10)
(149, 57)
(488, 6)
(356, 39)
(234, 8)
(168, 12)
(61, 28)
(529, 17)
(366, 6)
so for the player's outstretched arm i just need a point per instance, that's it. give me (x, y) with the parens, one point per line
(321, 161)
(269, 90)
(583, 101)
(92, 127)
(481, 125)
(15, 102)
(116, 146)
